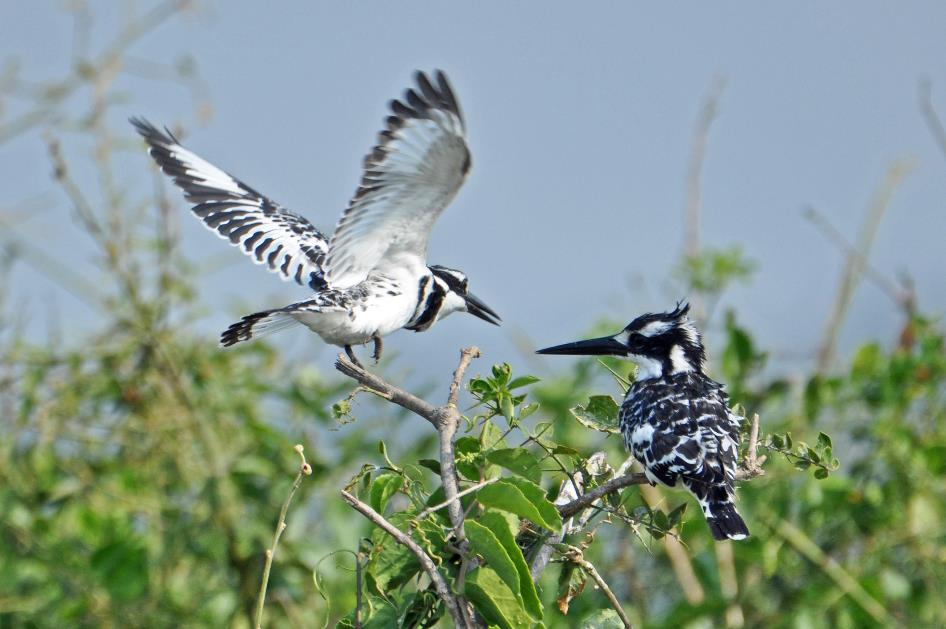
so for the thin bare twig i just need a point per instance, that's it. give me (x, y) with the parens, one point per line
(694, 198)
(575, 556)
(469, 490)
(902, 295)
(304, 470)
(854, 266)
(466, 356)
(399, 396)
(925, 93)
(440, 584)
(619, 483)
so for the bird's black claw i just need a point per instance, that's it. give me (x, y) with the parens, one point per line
(351, 356)
(378, 348)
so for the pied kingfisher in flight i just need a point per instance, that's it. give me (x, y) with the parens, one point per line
(372, 277)
(675, 420)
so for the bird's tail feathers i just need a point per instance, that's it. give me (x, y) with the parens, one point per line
(725, 522)
(257, 324)
(716, 501)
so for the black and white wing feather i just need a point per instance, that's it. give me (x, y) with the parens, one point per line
(271, 235)
(413, 173)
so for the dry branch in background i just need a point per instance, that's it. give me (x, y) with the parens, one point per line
(854, 265)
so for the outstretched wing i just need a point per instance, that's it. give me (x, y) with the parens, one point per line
(415, 170)
(270, 234)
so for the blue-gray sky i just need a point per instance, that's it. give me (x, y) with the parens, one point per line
(580, 118)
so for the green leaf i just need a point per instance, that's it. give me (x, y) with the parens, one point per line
(523, 498)
(824, 441)
(506, 407)
(430, 464)
(391, 565)
(484, 542)
(528, 410)
(505, 527)
(821, 473)
(376, 613)
(600, 414)
(517, 460)
(675, 516)
(603, 407)
(493, 599)
(522, 381)
(603, 619)
(383, 487)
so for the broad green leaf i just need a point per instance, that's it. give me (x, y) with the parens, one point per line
(383, 487)
(391, 565)
(431, 464)
(517, 460)
(523, 498)
(484, 542)
(493, 599)
(504, 527)
(521, 381)
(506, 407)
(600, 414)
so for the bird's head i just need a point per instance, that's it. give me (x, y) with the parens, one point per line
(660, 344)
(453, 285)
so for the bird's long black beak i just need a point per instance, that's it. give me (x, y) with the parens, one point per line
(478, 309)
(604, 346)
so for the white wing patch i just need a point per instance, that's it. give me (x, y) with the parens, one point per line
(413, 173)
(270, 234)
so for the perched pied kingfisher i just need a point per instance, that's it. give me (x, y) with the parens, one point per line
(372, 278)
(675, 420)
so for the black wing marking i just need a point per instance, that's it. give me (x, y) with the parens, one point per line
(285, 242)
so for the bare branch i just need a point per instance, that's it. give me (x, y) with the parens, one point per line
(439, 583)
(691, 244)
(854, 266)
(304, 470)
(399, 396)
(447, 425)
(575, 556)
(925, 94)
(619, 483)
(613, 485)
(469, 490)
(902, 295)
(466, 355)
